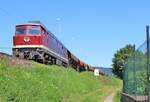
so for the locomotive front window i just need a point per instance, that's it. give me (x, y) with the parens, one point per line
(20, 30)
(34, 30)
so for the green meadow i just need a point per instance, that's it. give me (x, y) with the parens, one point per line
(28, 81)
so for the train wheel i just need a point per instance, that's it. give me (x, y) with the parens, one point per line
(21, 55)
(58, 62)
(53, 61)
(65, 64)
(78, 69)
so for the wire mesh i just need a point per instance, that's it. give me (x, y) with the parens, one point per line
(135, 73)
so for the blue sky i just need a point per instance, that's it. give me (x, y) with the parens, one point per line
(92, 29)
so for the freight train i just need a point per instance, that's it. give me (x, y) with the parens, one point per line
(34, 41)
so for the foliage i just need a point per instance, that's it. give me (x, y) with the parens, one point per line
(119, 59)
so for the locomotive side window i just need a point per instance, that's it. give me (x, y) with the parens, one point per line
(20, 30)
(34, 30)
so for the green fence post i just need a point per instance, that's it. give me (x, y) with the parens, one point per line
(134, 71)
(148, 63)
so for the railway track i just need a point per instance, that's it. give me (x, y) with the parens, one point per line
(14, 60)
(5, 55)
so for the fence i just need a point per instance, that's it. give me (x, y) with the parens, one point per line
(135, 75)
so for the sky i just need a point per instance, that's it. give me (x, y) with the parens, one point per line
(91, 29)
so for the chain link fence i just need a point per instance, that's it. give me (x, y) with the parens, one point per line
(135, 74)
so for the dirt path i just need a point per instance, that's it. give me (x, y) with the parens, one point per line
(99, 91)
(109, 98)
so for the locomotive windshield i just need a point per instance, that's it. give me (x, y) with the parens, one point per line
(34, 30)
(20, 30)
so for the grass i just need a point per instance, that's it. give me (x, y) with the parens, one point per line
(117, 97)
(34, 82)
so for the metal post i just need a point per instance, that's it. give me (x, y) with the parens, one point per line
(148, 63)
(134, 71)
(124, 78)
(125, 75)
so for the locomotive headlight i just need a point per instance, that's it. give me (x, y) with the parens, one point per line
(26, 39)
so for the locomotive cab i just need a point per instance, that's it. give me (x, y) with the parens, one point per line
(27, 30)
(27, 35)
(26, 40)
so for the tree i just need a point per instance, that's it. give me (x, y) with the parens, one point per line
(119, 59)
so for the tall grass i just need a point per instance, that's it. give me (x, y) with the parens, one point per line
(35, 82)
(117, 97)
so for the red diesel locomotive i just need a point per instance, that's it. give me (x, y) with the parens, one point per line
(33, 41)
